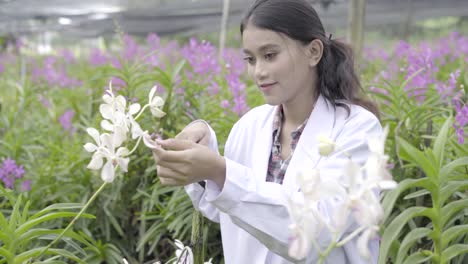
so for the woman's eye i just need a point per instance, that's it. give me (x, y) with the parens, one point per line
(249, 60)
(270, 56)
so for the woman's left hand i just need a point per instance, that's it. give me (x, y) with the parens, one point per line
(181, 162)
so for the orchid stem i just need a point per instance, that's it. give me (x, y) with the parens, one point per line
(73, 220)
(135, 147)
(351, 236)
(141, 111)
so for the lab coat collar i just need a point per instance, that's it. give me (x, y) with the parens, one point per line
(321, 122)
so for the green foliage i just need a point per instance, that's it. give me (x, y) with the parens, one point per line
(445, 227)
(21, 231)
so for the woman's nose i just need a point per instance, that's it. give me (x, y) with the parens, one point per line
(260, 71)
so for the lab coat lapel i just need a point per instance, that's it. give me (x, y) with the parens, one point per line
(321, 122)
(262, 149)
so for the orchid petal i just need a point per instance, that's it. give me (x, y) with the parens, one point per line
(106, 125)
(387, 185)
(298, 246)
(107, 98)
(157, 112)
(94, 133)
(107, 141)
(108, 172)
(122, 152)
(90, 147)
(149, 142)
(157, 101)
(136, 129)
(106, 111)
(119, 136)
(96, 162)
(121, 103)
(123, 163)
(134, 108)
(151, 93)
(363, 242)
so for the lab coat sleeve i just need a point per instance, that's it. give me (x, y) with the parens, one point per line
(197, 193)
(261, 208)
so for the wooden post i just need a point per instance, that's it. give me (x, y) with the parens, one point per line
(222, 35)
(356, 19)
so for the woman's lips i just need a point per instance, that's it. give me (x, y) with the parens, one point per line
(266, 87)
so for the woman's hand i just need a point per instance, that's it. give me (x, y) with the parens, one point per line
(197, 132)
(181, 162)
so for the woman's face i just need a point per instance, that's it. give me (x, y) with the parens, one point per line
(279, 65)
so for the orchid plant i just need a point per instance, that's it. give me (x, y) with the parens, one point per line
(357, 190)
(183, 255)
(119, 122)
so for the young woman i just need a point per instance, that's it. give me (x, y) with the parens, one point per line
(311, 89)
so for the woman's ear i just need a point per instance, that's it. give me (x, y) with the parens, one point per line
(315, 48)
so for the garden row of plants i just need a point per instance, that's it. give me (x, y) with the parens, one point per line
(47, 102)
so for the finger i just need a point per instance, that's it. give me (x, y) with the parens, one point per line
(169, 157)
(175, 144)
(170, 182)
(187, 136)
(205, 140)
(168, 173)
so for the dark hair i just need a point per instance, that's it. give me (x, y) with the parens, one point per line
(299, 20)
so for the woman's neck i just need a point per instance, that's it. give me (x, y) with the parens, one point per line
(298, 110)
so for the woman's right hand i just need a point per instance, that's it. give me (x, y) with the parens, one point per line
(197, 132)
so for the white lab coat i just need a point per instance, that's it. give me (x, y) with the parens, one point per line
(253, 213)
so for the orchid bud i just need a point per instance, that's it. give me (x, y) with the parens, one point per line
(326, 146)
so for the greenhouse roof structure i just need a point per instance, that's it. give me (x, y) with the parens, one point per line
(91, 18)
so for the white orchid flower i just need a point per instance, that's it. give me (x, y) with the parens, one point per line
(326, 146)
(105, 148)
(314, 188)
(299, 242)
(363, 241)
(376, 164)
(156, 103)
(183, 253)
(96, 160)
(113, 157)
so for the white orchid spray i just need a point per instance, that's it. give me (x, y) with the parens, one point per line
(358, 189)
(119, 121)
(109, 151)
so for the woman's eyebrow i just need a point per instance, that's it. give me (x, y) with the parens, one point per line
(262, 48)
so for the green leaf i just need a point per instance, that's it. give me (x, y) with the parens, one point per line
(411, 238)
(391, 196)
(33, 222)
(453, 251)
(5, 253)
(418, 257)
(15, 214)
(452, 208)
(416, 194)
(441, 141)
(36, 233)
(412, 154)
(114, 222)
(452, 233)
(393, 229)
(451, 187)
(58, 206)
(21, 258)
(447, 169)
(177, 70)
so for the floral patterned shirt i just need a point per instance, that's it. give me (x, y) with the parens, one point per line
(276, 165)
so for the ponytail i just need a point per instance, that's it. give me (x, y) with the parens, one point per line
(338, 79)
